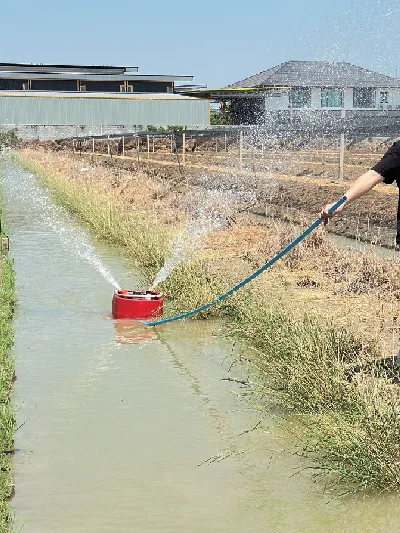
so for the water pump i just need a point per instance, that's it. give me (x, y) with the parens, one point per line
(137, 304)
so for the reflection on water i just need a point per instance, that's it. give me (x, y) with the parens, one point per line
(118, 416)
(354, 245)
(133, 332)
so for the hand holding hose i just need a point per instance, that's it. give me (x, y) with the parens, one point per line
(326, 213)
(362, 185)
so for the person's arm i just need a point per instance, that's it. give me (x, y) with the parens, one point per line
(362, 185)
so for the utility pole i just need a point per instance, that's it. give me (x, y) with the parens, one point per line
(341, 150)
(341, 157)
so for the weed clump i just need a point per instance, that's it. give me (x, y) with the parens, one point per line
(303, 361)
(360, 446)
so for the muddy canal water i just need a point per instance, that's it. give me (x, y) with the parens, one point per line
(117, 417)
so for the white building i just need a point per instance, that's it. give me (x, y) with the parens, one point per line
(323, 85)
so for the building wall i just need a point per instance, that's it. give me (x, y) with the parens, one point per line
(81, 109)
(44, 133)
(315, 98)
(72, 84)
(348, 98)
(53, 85)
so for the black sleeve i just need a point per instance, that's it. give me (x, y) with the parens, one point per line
(389, 166)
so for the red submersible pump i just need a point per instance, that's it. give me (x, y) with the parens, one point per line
(137, 304)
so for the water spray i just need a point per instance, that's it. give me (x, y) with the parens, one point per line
(57, 219)
(209, 211)
(244, 282)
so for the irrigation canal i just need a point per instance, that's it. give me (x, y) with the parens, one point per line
(116, 418)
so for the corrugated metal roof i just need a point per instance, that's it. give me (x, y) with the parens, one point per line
(318, 74)
(92, 77)
(93, 95)
(51, 68)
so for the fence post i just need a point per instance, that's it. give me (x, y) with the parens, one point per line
(322, 152)
(138, 149)
(183, 148)
(153, 146)
(226, 145)
(73, 146)
(148, 146)
(108, 145)
(241, 150)
(123, 145)
(93, 145)
(341, 157)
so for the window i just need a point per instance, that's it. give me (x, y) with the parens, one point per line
(364, 97)
(300, 97)
(82, 87)
(25, 86)
(331, 97)
(384, 97)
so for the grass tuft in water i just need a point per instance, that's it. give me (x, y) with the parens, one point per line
(349, 421)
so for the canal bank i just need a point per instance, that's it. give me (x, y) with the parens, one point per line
(305, 358)
(7, 420)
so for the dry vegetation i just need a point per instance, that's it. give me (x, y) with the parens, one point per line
(314, 326)
(293, 178)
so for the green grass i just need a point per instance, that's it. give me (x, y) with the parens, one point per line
(304, 360)
(349, 423)
(7, 418)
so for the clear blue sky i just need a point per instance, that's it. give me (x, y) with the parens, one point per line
(219, 42)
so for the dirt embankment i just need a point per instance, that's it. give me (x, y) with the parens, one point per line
(290, 182)
(284, 192)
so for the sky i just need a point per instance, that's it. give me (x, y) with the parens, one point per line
(217, 42)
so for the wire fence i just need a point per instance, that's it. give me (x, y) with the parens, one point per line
(330, 156)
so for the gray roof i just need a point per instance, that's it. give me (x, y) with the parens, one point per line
(91, 77)
(54, 69)
(82, 72)
(318, 74)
